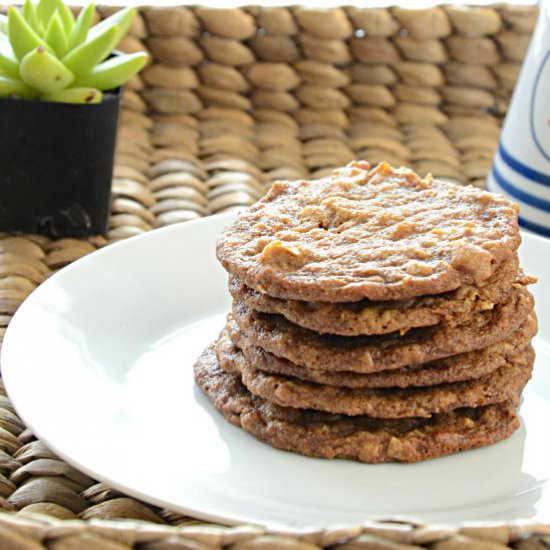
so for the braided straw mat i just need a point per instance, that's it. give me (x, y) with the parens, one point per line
(232, 100)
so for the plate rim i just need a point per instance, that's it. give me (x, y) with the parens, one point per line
(230, 518)
(134, 493)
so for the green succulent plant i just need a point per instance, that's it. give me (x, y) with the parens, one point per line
(47, 54)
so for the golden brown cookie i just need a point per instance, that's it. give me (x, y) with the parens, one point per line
(381, 234)
(390, 351)
(368, 317)
(457, 368)
(358, 438)
(503, 385)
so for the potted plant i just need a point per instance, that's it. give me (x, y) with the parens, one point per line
(59, 102)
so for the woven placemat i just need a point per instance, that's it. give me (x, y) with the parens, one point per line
(232, 100)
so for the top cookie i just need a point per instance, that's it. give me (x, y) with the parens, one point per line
(380, 234)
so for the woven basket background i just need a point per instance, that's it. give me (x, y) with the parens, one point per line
(232, 100)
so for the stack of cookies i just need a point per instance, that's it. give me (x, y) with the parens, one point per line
(376, 317)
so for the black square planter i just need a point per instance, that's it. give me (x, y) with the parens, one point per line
(56, 166)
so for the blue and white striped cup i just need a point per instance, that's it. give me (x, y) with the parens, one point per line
(521, 167)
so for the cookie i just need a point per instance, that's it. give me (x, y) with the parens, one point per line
(360, 438)
(503, 385)
(457, 368)
(377, 353)
(381, 234)
(367, 317)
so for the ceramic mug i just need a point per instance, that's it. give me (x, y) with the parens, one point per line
(521, 167)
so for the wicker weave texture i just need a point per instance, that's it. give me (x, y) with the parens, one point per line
(232, 100)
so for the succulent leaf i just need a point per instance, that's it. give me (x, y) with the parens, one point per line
(122, 18)
(56, 36)
(8, 62)
(15, 87)
(46, 53)
(114, 72)
(3, 24)
(84, 58)
(45, 9)
(31, 17)
(44, 72)
(23, 37)
(75, 95)
(66, 15)
(82, 26)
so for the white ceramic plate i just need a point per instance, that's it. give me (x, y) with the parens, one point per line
(98, 362)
